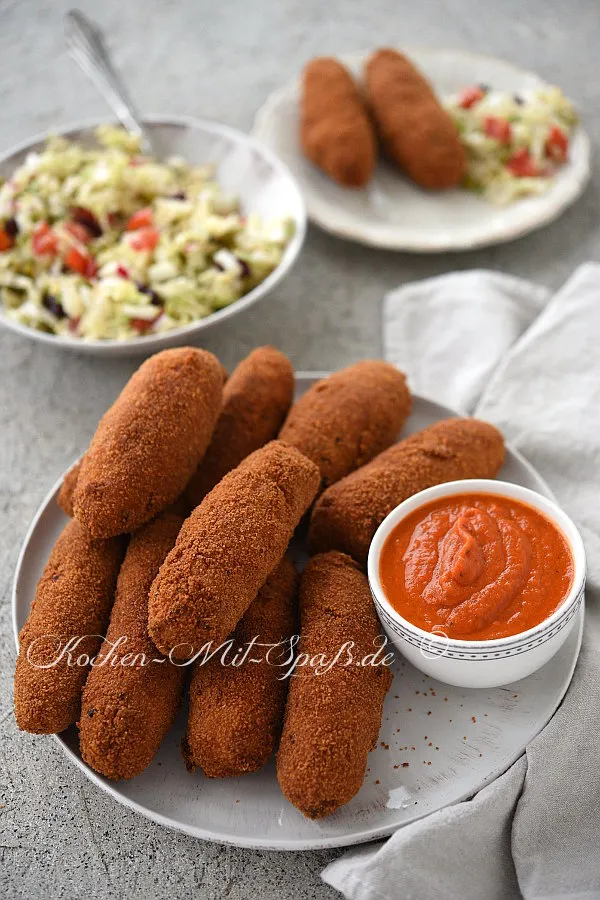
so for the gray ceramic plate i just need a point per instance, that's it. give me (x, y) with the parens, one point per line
(439, 744)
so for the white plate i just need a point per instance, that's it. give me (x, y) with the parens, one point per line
(462, 739)
(244, 167)
(394, 213)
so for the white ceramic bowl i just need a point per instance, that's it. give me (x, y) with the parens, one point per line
(489, 663)
(243, 166)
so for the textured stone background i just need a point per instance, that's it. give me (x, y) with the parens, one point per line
(60, 836)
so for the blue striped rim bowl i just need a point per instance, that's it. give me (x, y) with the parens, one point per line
(485, 663)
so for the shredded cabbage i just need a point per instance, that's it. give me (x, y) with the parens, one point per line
(519, 161)
(77, 266)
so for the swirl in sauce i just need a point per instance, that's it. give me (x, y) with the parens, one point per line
(476, 567)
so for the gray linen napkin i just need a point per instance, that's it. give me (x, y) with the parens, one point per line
(533, 362)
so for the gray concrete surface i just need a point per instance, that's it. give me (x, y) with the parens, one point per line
(60, 836)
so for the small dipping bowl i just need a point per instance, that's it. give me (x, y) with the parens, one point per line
(485, 663)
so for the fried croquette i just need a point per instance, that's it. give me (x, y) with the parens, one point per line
(228, 547)
(150, 442)
(333, 715)
(255, 402)
(236, 711)
(335, 129)
(345, 420)
(64, 630)
(67, 489)
(415, 130)
(348, 514)
(132, 693)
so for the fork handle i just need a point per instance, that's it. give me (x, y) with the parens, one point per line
(86, 45)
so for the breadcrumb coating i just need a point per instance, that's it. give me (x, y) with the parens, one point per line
(228, 547)
(236, 712)
(332, 719)
(349, 513)
(150, 442)
(73, 600)
(335, 130)
(415, 130)
(67, 489)
(346, 419)
(132, 694)
(255, 401)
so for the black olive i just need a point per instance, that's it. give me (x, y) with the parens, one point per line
(53, 306)
(11, 227)
(155, 299)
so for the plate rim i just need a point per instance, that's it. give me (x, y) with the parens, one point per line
(151, 343)
(325, 216)
(284, 845)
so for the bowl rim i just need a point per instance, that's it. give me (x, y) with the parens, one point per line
(150, 342)
(546, 506)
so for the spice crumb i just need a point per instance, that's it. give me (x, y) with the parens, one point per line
(378, 781)
(473, 719)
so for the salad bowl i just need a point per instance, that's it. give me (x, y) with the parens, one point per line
(243, 167)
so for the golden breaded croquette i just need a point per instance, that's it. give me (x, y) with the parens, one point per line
(255, 401)
(349, 513)
(416, 131)
(346, 419)
(333, 716)
(72, 601)
(67, 489)
(150, 442)
(335, 130)
(132, 693)
(228, 547)
(236, 711)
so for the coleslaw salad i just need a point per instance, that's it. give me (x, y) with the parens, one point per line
(515, 143)
(108, 244)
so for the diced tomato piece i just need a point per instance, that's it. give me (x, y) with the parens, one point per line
(80, 262)
(122, 272)
(143, 218)
(91, 268)
(144, 325)
(145, 239)
(522, 165)
(43, 240)
(79, 232)
(6, 241)
(470, 96)
(497, 128)
(557, 145)
(74, 323)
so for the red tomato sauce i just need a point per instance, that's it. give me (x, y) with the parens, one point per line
(476, 567)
